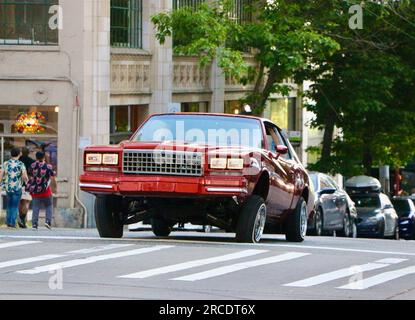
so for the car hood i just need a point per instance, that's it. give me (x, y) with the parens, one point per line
(188, 147)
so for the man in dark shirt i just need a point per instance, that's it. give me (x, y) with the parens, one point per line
(40, 186)
(26, 197)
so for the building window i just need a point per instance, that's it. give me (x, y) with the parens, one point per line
(33, 127)
(194, 4)
(195, 107)
(282, 112)
(29, 22)
(127, 23)
(241, 11)
(233, 107)
(125, 120)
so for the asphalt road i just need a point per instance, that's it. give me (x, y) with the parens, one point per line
(76, 264)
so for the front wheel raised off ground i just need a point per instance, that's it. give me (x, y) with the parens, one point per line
(107, 218)
(296, 225)
(251, 222)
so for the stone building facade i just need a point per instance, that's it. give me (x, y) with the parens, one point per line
(78, 72)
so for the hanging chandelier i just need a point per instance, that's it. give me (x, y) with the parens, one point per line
(30, 123)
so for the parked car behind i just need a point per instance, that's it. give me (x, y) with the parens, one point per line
(405, 209)
(334, 210)
(376, 216)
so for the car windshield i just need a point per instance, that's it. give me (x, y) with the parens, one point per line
(366, 201)
(201, 129)
(402, 207)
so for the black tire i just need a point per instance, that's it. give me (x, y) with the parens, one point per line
(107, 219)
(160, 227)
(251, 222)
(396, 235)
(296, 224)
(318, 223)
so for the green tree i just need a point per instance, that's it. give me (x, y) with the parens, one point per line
(280, 36)
(367, 91)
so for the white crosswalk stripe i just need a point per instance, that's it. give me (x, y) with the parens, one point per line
(241, 266)
(192, 264)
(90, 260)
(17, 262)
(17, 244)
(379, 279)
(345, 272)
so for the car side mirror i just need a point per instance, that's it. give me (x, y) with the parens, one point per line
(280, 149)
(327, 191)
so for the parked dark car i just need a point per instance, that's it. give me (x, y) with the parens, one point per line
(334, 210)
(376, 216)
(405, 209)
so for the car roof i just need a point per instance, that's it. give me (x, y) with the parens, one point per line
(211, 114)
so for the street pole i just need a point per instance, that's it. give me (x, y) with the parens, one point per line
(384, 177)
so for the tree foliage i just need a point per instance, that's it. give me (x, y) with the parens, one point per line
(366, 89)
(363, 79)
(280, 37)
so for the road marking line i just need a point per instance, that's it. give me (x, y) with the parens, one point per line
(379, 279)
(18, 262)
(345, 272)
(100, 248)
(93, 259)
(192, 264)
(391, 261)
(241, 266)
(12, 263)
(17, 244)
(265, 245)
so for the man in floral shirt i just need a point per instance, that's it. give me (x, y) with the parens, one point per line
(39, 186)
(12, 177)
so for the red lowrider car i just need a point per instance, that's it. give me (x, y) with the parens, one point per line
(238, 173)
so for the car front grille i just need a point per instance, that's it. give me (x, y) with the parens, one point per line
(162, 162)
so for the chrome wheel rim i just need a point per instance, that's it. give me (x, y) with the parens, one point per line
(303, 220)
(259, 225)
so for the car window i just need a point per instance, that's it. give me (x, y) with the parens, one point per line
(403, 207)
(367, 201)
(275, 138)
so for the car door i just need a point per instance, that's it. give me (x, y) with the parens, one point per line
(328, 203)
(340, 204)
(282, 175)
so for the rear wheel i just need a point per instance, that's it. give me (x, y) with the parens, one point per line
(108, 220)
(160, 227)
(251, 222)
(318, 223)
(296, 226)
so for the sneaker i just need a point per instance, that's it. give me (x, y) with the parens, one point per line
(22, 224)
(11, 226)
(48, 225)
(34, 227)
